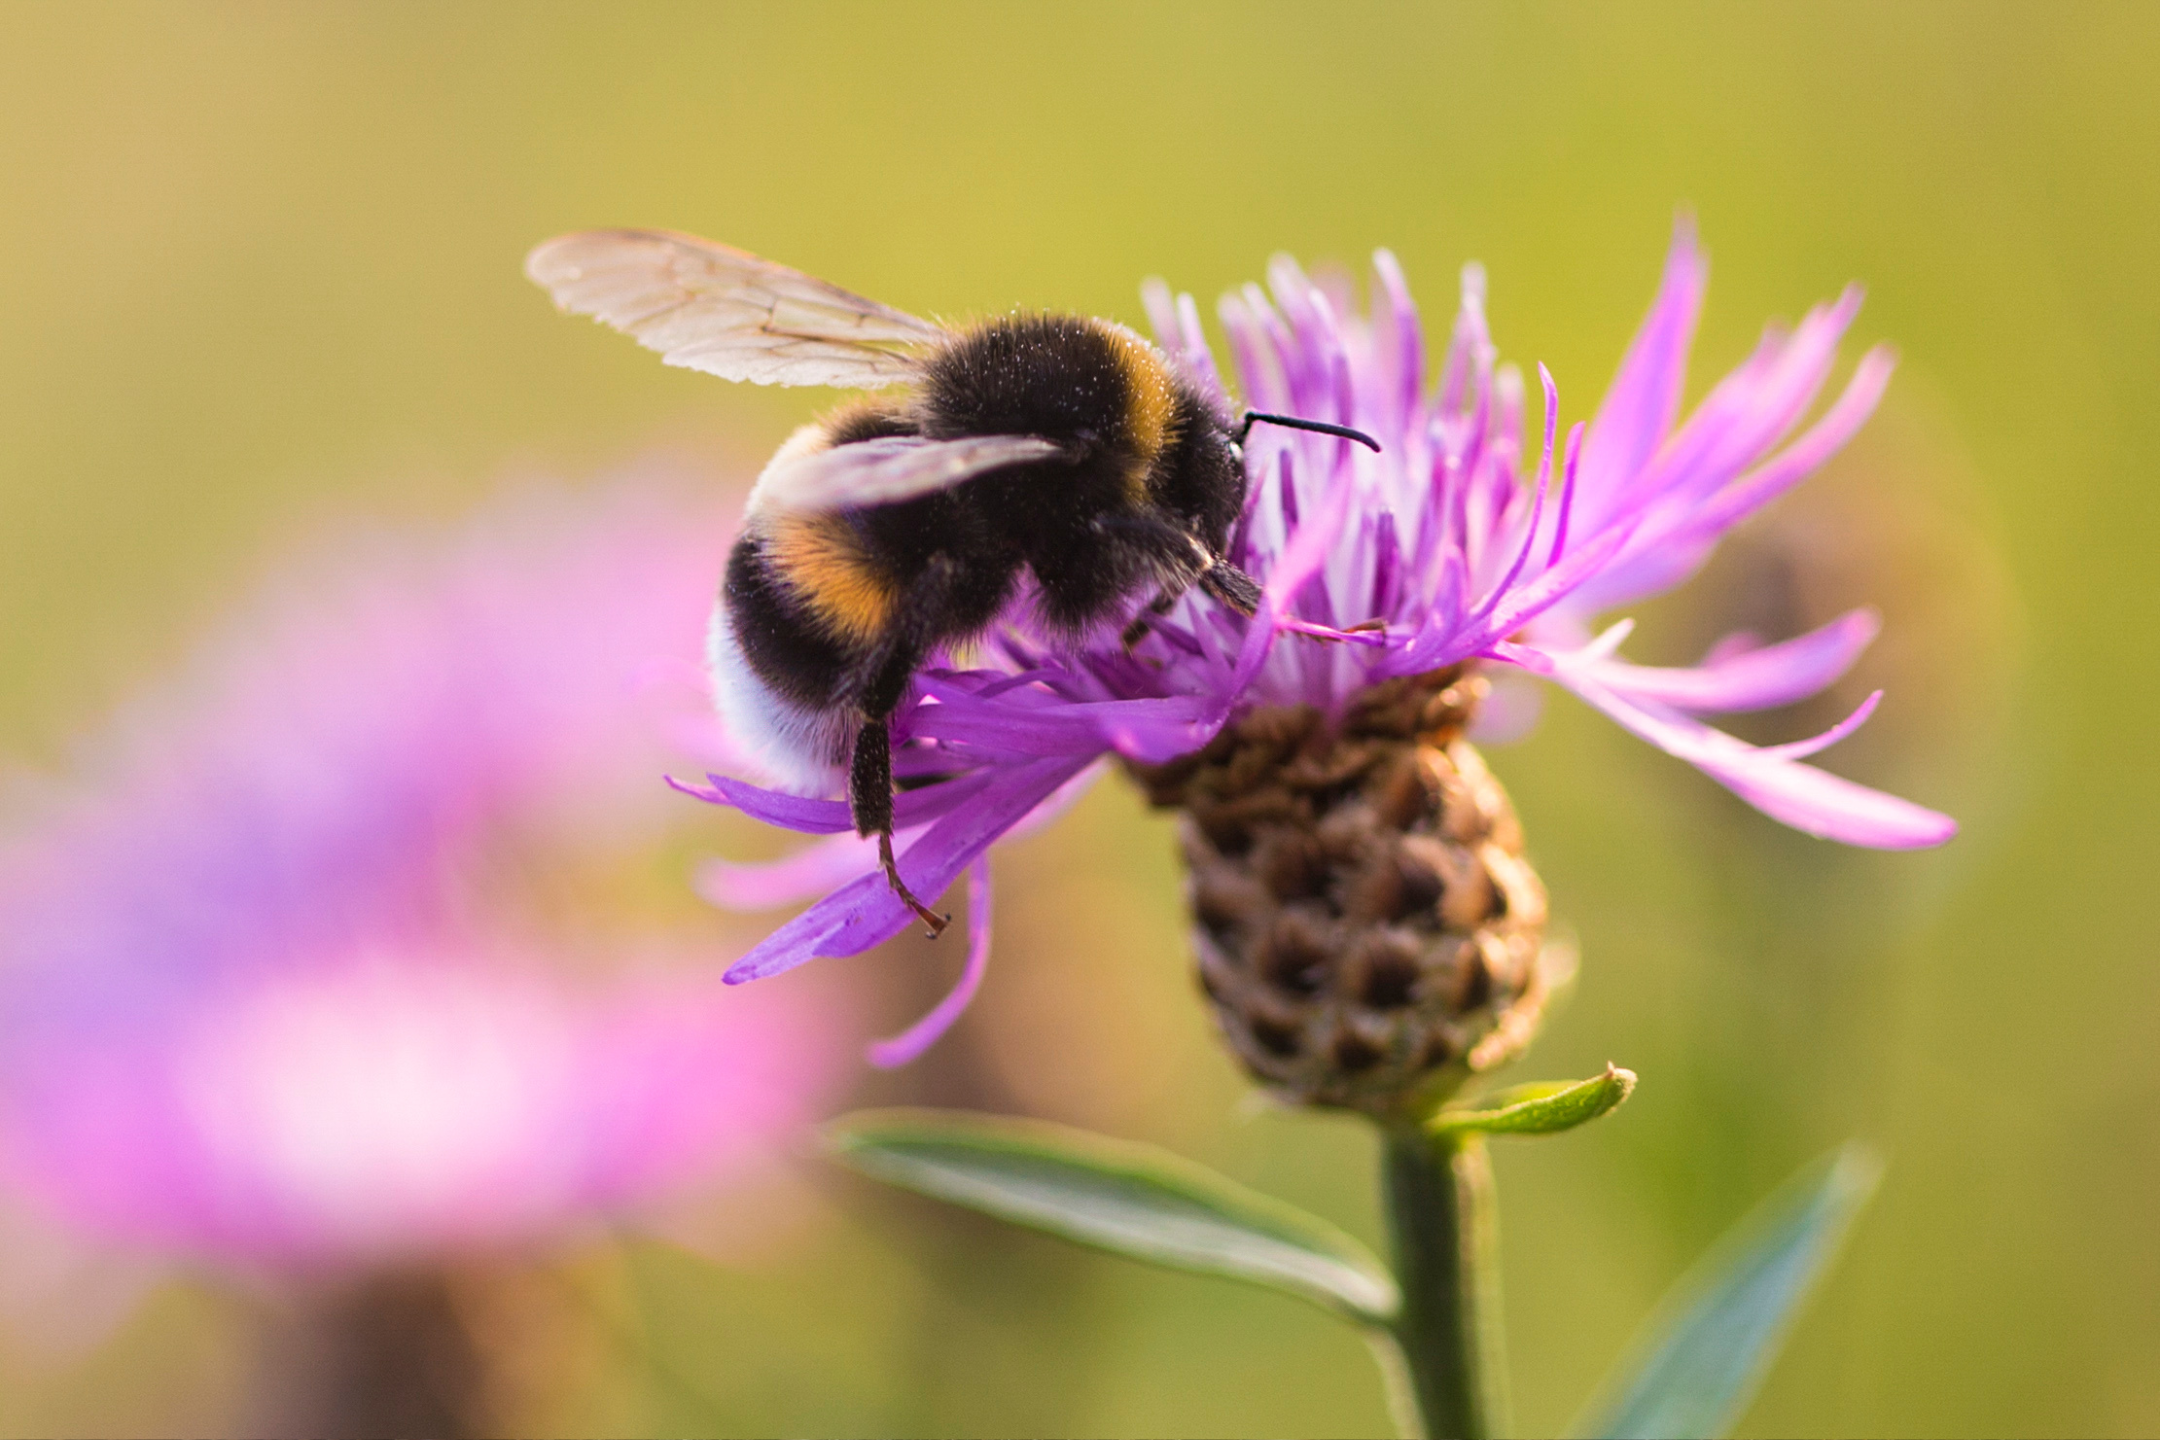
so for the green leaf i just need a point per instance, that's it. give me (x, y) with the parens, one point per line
(1541, 1109)
(1132, 1200)
(1701, 1358)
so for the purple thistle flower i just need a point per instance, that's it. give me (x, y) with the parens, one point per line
(272, 987)
(1458, 543)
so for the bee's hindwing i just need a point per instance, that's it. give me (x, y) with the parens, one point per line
(887, 469)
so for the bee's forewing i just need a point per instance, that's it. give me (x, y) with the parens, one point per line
(882, 471)
(726, 312)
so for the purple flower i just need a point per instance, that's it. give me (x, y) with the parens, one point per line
(1457, 543)
(274, 983)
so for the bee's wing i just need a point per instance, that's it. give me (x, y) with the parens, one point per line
(885, 470)
(726, 312)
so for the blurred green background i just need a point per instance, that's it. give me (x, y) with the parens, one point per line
(259, 267)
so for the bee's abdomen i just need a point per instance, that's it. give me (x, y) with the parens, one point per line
(780, 635)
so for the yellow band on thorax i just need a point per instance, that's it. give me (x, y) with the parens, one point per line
(1150, 402)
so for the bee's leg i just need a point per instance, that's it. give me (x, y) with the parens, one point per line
(1218, 578)
(870, 798)
(1221, 580)
(1238, 590)
(1183, 560)
(1134, 633)
(915, 625)
(1232, 586)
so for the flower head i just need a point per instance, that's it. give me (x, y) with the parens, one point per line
(271, 982)
(1459, 544)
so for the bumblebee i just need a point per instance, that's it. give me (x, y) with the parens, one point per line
(1061, 446)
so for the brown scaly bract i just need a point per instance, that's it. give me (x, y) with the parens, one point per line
(1365, 917)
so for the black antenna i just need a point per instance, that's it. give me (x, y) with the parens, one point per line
(1291, 422)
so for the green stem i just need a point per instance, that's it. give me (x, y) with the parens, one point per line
(1445, 1232)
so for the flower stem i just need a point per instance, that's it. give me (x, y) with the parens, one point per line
(1445, 1232)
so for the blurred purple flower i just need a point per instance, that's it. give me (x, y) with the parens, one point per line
(1468, 546)
(271, 988)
